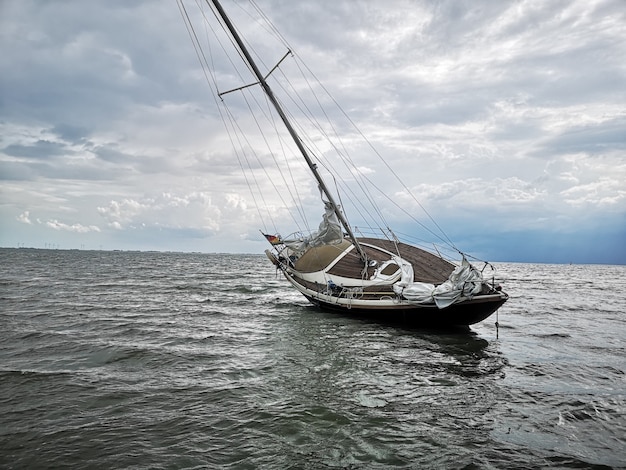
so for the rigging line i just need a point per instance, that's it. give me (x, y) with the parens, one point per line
(357, 202)
(203, 61)
(245, 175)
(239, 134)
(345, 154)
(243, 156)
(268, 27)
(257, 185)
(211, 67)
(233, 45)
(273, 28)
(245, 138)
(194, 40)
(318, 154)
(450, 253)
(352, 201)
(298, 199)
(206, 23)
(204, 65)
(381, 158)
(289, 189)
(260, 107)
(368, 195)
(416, 240)
(353, 171)
(269, 116)
(412, 217)
(230, 39)
(315, 153)
(319, 104)
(280, 37)
(384, 223)
(306, 111)
(266, 24)
(325, 164)
(358, 205)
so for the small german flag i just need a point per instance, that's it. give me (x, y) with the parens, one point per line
(273, 239)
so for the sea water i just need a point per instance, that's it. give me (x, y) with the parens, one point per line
(170, 360)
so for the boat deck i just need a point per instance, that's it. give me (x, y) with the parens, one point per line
(427, 267)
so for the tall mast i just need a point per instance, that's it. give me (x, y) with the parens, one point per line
(292, 131)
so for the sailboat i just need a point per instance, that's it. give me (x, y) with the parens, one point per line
(340, 269)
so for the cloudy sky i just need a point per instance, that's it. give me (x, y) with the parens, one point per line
(506, 119)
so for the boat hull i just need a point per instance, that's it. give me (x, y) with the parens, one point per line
(462, 314)
(393, 310)
(334, 282)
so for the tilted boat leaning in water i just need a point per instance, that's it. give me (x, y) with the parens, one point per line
(372, 276)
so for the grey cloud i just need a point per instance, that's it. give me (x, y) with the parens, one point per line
(88, 65)
(41, 150)
(16, 171)
(111, 155)
(593, 138)
(31, 171)
(69, 132)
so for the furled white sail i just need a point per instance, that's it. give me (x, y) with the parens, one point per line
(328, 233)
(464, 282)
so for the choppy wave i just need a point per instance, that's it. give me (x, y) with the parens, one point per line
(164, 360)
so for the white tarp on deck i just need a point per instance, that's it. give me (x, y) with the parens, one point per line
(464, 282)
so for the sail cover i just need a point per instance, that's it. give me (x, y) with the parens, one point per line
(464, 282)
(329, 232)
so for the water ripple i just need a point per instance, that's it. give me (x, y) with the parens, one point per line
(164, 360)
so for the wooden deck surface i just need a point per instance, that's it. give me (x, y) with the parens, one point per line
(426, 266)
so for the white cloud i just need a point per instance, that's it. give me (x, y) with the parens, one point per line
(605, 192)
(198, 211)
(24, 218)
(78, 228)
